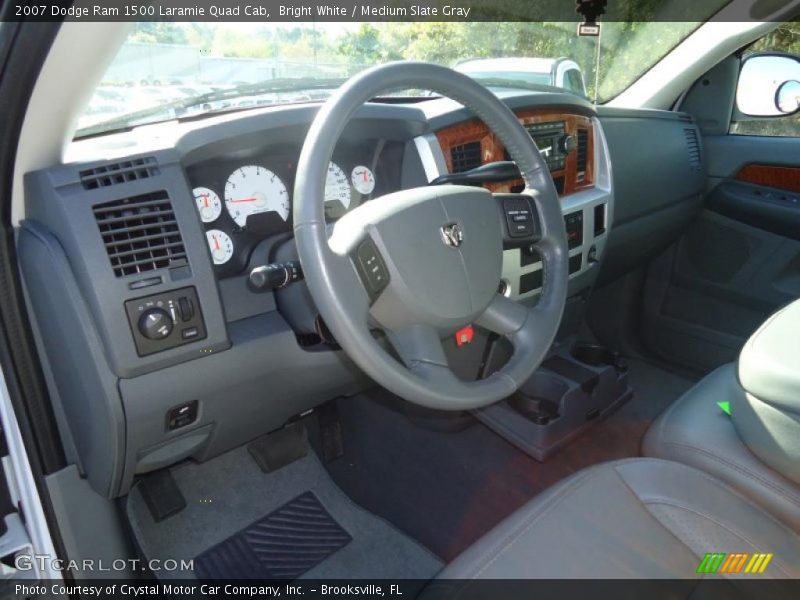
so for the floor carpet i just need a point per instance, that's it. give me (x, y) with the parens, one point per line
(447, 489)
(230, 494)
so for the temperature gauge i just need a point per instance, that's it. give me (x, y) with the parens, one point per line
(208, 204)
(221, 246)
(363, 180)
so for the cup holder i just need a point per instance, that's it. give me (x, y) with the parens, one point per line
(540, 398)
(597, 356)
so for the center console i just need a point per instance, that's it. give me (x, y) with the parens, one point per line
(576, 385)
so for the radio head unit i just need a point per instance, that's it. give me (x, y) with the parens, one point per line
(553, 142)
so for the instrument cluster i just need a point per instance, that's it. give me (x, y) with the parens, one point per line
(245, 200)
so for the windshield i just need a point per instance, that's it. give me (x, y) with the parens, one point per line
(172, 70)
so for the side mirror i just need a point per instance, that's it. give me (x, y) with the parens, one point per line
(788, 97)
(768, 85)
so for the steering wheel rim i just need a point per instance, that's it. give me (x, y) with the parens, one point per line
(338, 288)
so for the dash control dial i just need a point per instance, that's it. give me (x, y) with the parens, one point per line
(165, 321)
(155, 324)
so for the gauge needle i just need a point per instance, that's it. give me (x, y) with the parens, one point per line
(205, 198)
(243, 200)
(216, 244)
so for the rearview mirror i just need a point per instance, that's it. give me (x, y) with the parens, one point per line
(768, 85)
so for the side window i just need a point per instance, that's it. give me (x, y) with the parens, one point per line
(770, 75)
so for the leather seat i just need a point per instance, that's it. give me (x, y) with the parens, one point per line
(635, 518)
(696, 432)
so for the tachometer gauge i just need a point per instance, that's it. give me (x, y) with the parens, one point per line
(337, 187)
(251, 190)
(363, 180)
(208, 204)
(221, 246)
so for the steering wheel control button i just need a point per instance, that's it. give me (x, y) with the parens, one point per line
(155, 324)
(371, 268)
(519, 217)
(161, 321)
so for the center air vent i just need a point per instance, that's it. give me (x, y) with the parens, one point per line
(582, 153)
(140, 234)
(466, 156)
(121, 172)
(693, 145)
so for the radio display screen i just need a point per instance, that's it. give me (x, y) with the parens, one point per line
(547, 145)
(548, 139)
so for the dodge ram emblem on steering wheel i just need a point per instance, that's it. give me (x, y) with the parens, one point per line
(452, 235)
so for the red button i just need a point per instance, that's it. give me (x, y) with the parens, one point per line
(464, 336)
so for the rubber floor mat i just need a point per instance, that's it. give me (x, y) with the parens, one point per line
(229, 495)
(283, 545)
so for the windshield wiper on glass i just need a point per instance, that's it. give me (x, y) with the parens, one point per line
(177, 109)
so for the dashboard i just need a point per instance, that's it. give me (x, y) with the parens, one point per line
(245, 198)
(136, 251)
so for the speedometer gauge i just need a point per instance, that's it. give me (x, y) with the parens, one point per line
(221, 246)
(363, 180)
(253, 189)
(337, 187)
(208, 204)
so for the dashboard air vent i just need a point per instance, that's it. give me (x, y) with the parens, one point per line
(582, 153)
(121, 172)
(466, 156)
(140, 234)
(693, 145)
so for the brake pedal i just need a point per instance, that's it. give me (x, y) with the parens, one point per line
(279, 448)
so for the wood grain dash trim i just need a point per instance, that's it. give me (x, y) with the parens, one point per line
(492, 149)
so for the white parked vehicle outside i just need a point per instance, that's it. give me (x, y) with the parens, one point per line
(562, 73)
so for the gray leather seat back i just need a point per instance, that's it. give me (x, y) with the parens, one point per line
(768, 415)
(696, 432)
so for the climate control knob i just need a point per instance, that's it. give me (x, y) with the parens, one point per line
(155, 324)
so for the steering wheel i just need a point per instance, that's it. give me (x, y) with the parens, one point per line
(422, 263)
